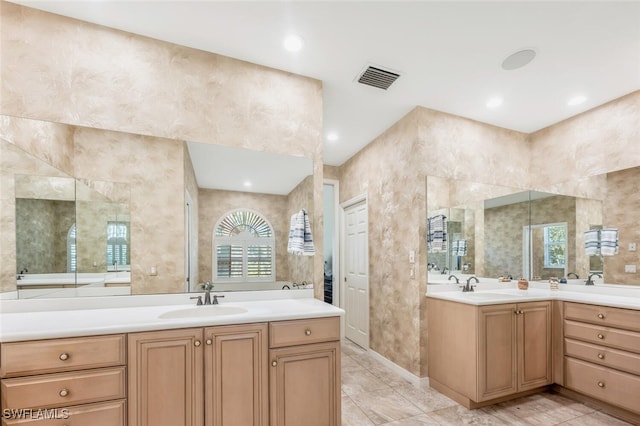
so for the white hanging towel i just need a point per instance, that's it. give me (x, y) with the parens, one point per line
(309, 247)
(300, 237)
(592, 242)
(609, 241)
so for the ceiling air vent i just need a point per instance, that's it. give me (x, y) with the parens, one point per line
(377, 77)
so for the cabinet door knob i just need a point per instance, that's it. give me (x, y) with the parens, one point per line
(601, 384)
(601, 316)
(600, 336)
(64, 356)
(197, 343)
(64, 392)
(209, 341)
(274, 363)
(307, 332)
(601, 356)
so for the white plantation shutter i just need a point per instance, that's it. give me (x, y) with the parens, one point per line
(244, 248)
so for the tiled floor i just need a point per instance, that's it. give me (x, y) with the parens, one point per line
(373, 394)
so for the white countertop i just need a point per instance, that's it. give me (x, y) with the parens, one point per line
(614, 296)
(35, 321)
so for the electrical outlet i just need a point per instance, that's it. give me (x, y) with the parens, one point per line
(632, 247)
(412, 256)
(630, 269)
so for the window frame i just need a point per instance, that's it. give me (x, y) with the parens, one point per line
(548, 244)
(243, 239)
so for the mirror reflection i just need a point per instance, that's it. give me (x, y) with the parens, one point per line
(494, 231)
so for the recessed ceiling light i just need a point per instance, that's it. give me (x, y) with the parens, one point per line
(247, 183)
(332, 136)
(518, 59)
(293, 43)
(576, 100)
(494, 102)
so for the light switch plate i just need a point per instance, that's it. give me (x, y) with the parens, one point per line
(630, 269)
(412, 256)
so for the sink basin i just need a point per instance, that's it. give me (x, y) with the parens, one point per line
(204, 311)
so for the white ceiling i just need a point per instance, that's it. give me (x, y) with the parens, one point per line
(449, 53)
(229, 168)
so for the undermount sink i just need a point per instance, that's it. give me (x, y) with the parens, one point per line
(203, 311)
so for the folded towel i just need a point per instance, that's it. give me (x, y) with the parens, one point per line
(609, 241)
(308, 248)
(592, 242)
(460, 248)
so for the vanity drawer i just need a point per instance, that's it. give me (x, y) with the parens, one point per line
(45, 356)
(604, 356)
(614, 387)
(112, 413)
(628, 319)
(64, 389)
(604, 336)
(302, 332)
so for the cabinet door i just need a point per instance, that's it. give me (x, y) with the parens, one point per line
(166, 378)
(236, 385)
(497, 356)
(304, 384)
(534, 345)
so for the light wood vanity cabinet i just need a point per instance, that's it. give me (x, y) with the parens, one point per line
(495, 352)
(73, 381)
(212, 376)
(304, 373)
(602, 353)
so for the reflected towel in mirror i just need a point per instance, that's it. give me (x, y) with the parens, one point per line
(300, 236)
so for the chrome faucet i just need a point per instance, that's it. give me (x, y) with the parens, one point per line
(444, 270)
(574, 274)
(468, 287)
(215, 299)
(589, 280)
(207, 292)
(453, 276)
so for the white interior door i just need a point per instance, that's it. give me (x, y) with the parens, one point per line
(356, 276)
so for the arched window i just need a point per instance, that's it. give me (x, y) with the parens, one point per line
(117, 245)
(71, 249)
(243, 248)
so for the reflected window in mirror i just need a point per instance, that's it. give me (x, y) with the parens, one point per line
(244, 248)
(72, 264)
(555, 246)
(117, 245)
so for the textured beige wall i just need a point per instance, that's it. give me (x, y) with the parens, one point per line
(622, 208)
(154, 170)
(63, 70)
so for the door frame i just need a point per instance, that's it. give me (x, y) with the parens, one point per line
(343, 207)
(335, 269)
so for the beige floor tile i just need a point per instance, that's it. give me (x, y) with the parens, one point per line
(426, 399)
(596, 418)
(388, 376)
(349, 364)
(458, 415)
(384, 406)
(420, 420)
(358, 381)
(350, 348)
(352, 415)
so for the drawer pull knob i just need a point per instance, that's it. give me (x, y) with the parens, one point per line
(64, 392)
(601, 384)
(274, 363)
(64, 356)
(600, 336)
(197, 343)
(209, 341)
(601, 356)
(307, 332)
(601, 316)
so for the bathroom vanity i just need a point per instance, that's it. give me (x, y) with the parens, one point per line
(493, 345)
(244, 363)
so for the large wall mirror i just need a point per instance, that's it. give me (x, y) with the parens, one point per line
(67, 235)
(494, 231)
